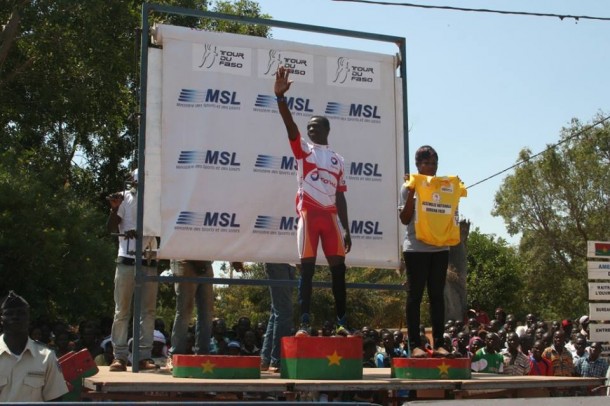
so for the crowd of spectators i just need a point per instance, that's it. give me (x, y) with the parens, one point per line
(502, 344)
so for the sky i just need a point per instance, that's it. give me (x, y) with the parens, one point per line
(480, 87)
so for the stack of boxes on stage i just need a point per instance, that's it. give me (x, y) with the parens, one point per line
(76, 366)
(216, 366)
(321, 358)
(598, 271)
(431, 368)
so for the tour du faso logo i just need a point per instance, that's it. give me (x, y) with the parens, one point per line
(210, 52)
(219, 58)
(344, 71)
(269, 60)
(274, 60)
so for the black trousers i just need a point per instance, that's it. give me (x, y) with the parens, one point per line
(426, 269)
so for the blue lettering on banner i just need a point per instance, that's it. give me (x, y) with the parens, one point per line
(220, 219)
(205, 159)
(289, 223)
(275, 224)
(357, 112)
(221, 158)
(298, 104)
(366, 229)
(284, 165)
(219, 97)
(364, 169)
(288, 162)
(222, 97)
(207, 221)
(363, 110)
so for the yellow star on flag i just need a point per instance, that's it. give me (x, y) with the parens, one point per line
(334, 359)
(443, 368)
(208, 367)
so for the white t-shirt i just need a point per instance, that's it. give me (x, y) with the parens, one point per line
(128, 212)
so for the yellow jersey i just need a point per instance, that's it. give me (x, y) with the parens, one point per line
(436, 208)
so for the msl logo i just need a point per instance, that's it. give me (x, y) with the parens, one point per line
(273, 163)
(364, 169)
(354, 111)
(297, 104)
(207, 221)
(276, 225)
(220, 97)
(210, 159)
(366, 230)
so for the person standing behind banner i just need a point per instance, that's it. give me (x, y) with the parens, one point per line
(426, 264)
(189, 295)
(123, 217)
(280, 317)
(29, 371)
(321, 206)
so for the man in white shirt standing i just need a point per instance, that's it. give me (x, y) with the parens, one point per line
(123, 217)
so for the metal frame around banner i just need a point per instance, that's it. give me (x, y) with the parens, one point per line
(147, 9)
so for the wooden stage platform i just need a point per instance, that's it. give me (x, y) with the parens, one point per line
(164, 387)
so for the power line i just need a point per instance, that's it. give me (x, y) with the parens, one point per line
(578, 134)
(480, 10)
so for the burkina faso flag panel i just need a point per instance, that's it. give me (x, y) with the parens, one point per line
(602, 249)
(431, 368)
(216, 367)
(324, 358)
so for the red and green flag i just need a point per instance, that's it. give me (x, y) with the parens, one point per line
(431, 368)
(602, 249)
(325, 358)
(216, 367)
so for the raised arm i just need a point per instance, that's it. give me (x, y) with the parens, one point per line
(282, 84)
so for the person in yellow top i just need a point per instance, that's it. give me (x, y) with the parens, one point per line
(427, 255)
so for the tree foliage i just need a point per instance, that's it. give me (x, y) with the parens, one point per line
(68, 135)
(558, 201)
(51, 245)
(494, 273)
(373, 308)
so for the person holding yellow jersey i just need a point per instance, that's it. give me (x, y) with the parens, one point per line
(428, 208)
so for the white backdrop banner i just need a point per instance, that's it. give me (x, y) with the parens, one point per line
(227, 175)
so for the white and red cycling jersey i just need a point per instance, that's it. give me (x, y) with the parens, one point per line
(320, 173)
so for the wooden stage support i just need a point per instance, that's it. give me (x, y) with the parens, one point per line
(143, 386)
